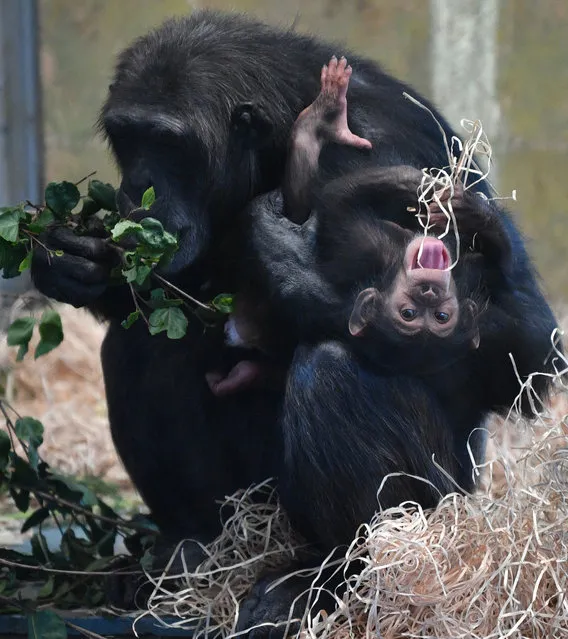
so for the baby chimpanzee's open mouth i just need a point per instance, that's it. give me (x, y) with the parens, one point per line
(430, 253)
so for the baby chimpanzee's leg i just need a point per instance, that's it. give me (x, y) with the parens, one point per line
(325, 120)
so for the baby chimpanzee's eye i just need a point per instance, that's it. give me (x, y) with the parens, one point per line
(408, 314)
(441, 317)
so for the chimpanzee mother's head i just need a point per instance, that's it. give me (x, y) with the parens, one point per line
(172, 120)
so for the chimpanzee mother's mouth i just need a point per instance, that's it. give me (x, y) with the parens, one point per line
(191, 244)
(429, 253)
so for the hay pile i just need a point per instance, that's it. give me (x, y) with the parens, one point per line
(494, 564)
(64, 389)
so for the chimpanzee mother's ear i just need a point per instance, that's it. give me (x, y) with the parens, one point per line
(251, 124)
(365, 307)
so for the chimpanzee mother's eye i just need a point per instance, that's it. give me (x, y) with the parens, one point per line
(408, 314)
(442, 317)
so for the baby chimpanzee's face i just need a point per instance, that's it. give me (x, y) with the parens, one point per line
(421, 299)
(423, 294)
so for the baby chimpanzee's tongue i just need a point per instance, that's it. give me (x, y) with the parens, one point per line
(433, 255)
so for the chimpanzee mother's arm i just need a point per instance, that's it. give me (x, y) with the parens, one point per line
(518, 324)
(283, 264)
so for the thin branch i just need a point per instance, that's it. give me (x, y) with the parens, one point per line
(84, 631)
(180, 292)
(34, 206)
(137, 306)
(119, 521)
(85, 178)
(59, 571)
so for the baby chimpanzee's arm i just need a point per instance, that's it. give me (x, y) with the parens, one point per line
(325, 120)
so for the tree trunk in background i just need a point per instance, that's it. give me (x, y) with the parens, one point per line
(21, 149)
(464, 64)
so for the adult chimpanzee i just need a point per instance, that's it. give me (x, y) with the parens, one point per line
(174, 120)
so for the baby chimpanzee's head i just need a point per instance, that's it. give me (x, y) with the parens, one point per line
(418, 315)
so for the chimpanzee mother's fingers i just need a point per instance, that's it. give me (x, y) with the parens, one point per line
(72, 266)
(61, 238)
(68, 290)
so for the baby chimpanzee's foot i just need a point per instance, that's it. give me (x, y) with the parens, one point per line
(251, 123)
(329, 110)
(244, 374)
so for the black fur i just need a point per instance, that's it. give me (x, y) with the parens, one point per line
(336, 429)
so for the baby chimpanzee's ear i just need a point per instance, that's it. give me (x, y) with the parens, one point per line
(470, 308)
(363, 310)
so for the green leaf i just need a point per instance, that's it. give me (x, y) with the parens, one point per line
(154, 235)
(148, 198)
(105, 546)
(90, 207)
(47, 589)
(50, 332)
(142, 273)
(103, 194)
(22, 352)
(171, 320)
(21, 498)
(130, 274)
(29, 430)
(137, 273)
(224, 303)
(61, 198)
(35, 519)
(106, 510)
(42, 221)
(33, 457)
(23, 474)
(110, 220)
(127, 323)
(5, 448)
(123, 228)
(45, 624)
(10, 225)
(82, 494)
(158, 299)
(40, 549)
(20, 331)
(11, 256)
(26, 262)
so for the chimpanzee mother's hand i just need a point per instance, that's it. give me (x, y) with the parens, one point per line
(81, 274)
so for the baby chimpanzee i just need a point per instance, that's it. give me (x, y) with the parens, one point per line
(373, 279)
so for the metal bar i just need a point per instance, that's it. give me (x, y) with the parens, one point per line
(21, 135)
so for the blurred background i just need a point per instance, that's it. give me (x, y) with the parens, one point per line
(504, 62)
